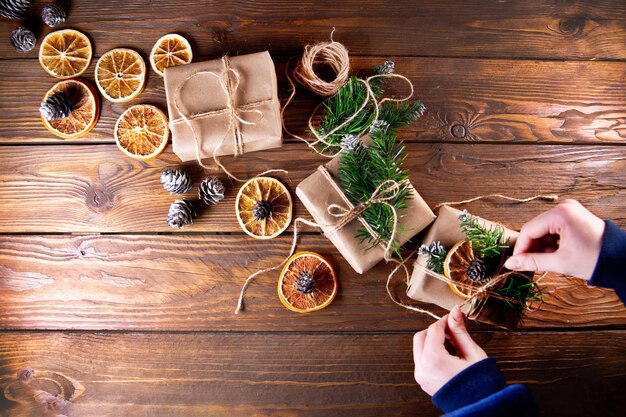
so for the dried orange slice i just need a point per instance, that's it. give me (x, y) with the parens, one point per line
(169, 51)
(263, 207)
(120, 74)
(455, 267)
(86, 109)
(307, 283)
(65, 53)
(141, 132)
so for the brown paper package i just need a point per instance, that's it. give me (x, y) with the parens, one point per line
(446, 229)
(204, 93)
(317, 194)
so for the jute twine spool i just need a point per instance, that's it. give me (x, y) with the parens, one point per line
(332, 54)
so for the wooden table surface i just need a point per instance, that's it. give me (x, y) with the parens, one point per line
(523, 97)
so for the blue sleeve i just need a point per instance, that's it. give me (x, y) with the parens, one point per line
(481, 391)
(611, 266)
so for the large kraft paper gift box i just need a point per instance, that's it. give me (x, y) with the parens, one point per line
(422, 287)
(213, 96)
(317, 192)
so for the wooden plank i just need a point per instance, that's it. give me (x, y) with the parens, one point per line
(97, 189)
(529, 29)
(227, 374)
(467, 100)
(192, 282)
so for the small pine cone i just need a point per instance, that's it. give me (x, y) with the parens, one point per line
(14, 9)
(57, 106)
(477, 270)
(387, 67)
(176, 181)
(351, 143)
(211, 191)
(305, 283)
(262, 209)
(53, 15)
(23, 40)
(181, 214)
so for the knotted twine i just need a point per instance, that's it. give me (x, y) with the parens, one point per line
(229, 80)
(385, 192)
(479, 295)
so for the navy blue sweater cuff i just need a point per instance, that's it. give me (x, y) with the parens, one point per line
(469, 386)
(481, 391)
(609, 271)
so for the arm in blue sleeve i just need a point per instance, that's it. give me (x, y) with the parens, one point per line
(610, 271)
(481, 390)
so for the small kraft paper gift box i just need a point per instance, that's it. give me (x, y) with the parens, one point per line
(423, 286)
(322, 190)
(225, 106)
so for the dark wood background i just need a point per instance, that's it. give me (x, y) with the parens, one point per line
(523, 98)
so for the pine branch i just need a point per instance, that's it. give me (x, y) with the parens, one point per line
(522, 290)
(487, 243)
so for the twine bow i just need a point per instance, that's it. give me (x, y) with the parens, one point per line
(229, 80)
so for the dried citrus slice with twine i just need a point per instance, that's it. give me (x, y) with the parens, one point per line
(455, 267)
(307, 283)
(86, 108)
(141, 132)
(263, 207)
(169, 51)
(65, 53)
(120, 74)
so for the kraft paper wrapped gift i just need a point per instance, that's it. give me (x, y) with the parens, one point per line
(317, 192)
(231, 106)
(422, 287)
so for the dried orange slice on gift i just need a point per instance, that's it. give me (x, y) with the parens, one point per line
(141, 132)
(307, 283)
(169, 51)
(455, 267)
(120, 74)
(86, 109)
(65, 53)
(263, 207)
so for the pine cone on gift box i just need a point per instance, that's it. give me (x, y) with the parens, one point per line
(53, 15)
(57, 106)
(477, 270)
(22, 39)
(176, 181)
(211, 191)
(181, 214)
(14, 9)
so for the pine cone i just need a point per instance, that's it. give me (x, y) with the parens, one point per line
(181, 214)
(305, 282)
(176, 181)
(57, 106)
(262, 209)
(211, 191)
(387, 67)
(22, 39)
(351, 143)
(14, 9)
(477, 270)
(53, 15)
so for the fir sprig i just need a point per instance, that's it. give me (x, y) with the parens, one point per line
(487, 242)
(521, 290)
(361, 171)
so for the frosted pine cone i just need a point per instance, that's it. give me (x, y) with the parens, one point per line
(181, 214)
(350, 143)
(211, 191)
(14, 9)
(176, 181)
(387, 67)
(378, 125)
(57, 106)
(22, 39)
(53, 15)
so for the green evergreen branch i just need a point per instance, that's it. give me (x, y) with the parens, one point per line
(521, 290)
(487, 243)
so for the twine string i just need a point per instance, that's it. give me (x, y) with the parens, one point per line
(545, 197)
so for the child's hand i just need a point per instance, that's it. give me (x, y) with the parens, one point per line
(566, 239)
(434, 365)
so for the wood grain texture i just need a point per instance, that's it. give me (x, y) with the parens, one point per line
(192, 282)
(474, 100)
(529, 29)
(301, 374)
(97, 189)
